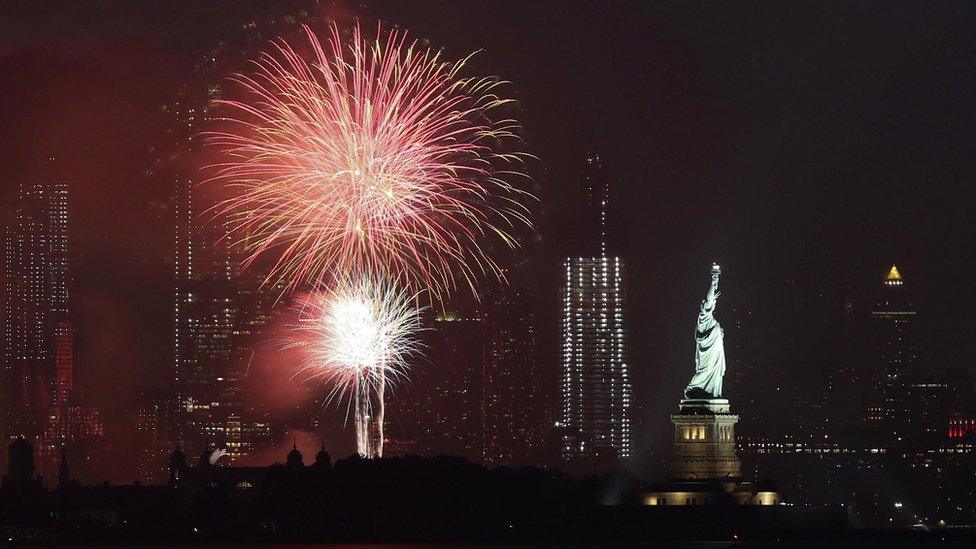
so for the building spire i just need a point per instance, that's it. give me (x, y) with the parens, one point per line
(596, 196)
(294, 459)
(893, 278)
(596, 188)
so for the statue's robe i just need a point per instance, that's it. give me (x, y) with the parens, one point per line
(709, 355)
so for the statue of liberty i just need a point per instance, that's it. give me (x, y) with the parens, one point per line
(709, 348)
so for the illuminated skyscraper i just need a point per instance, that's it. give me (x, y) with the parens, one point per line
(595, 394)
(895, 368)
(183, 326)
(37, 335)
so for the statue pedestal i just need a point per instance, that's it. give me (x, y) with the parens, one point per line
(704, 469)
(704, 442)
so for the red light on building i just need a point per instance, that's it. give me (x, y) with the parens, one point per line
(961, 427)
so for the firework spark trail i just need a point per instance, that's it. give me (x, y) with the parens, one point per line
(371, 157)
(357, 339)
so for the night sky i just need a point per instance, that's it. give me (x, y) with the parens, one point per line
(819, 142)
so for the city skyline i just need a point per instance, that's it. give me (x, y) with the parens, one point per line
(159, 214)
(825, 174)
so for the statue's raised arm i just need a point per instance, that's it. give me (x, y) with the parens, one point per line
(709, 347)
(706, 314)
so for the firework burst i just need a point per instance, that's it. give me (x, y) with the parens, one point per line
(357, 340)
(371, 157)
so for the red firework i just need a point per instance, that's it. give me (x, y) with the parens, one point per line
(371, 157)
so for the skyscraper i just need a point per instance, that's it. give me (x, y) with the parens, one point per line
(218, 309)
(36, 324)
(38, 333)
(513, 409)
(218, 312)
(509, 350)
(444, 407)
(183, 327)
(895, 365)
(595, 394)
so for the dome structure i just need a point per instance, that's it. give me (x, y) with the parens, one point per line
(322, 458)
(294, 460)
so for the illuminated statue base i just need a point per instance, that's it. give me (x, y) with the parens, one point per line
(704, 442)
(704, 468)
